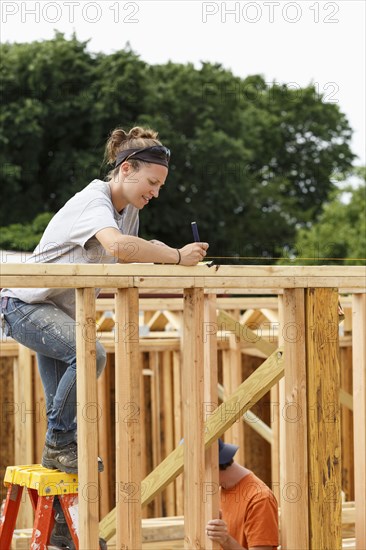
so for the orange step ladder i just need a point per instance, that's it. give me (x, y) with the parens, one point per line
(42, 485)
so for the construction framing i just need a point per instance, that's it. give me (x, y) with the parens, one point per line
(307, 359)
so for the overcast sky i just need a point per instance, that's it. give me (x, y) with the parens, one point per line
(290, 42)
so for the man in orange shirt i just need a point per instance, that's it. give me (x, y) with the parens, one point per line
(249, 510)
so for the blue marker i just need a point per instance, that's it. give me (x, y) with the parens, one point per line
(195, 232)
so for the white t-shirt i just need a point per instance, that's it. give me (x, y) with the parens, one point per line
(69, 238)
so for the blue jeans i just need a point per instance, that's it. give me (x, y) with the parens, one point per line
(50, 332)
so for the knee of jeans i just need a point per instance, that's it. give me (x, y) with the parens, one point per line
(101, 360)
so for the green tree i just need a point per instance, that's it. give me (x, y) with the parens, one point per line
(251, 161)
(340, 231)
(24, 237)
(118, 90)
(45, 126)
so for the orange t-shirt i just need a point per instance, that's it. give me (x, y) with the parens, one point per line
(251, 512)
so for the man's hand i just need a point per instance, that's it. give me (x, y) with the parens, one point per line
(216, 530)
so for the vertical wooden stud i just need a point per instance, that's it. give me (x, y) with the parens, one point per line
(359, 414)
(194, 454)
(128, 420)
(87, 417)
(347, 440)
(24, 423)
(156, 422)
(275, 447)
(40, 423)
(232, 378)
(211, 495)
(324, 438)
(104, 437)
(281, 407)
(178, 428)
(294, 490)
(168, 425)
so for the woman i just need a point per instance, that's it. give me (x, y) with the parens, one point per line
(97, 225)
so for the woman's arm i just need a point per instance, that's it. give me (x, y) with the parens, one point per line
(127, 248)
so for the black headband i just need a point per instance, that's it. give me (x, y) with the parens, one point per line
(157, 154)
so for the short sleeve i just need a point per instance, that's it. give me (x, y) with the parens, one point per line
(261, 521)
(96, 215)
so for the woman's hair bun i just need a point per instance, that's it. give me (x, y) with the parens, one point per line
(120, 140)
(145, 133)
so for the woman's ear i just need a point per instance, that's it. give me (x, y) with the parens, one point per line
(125, 169)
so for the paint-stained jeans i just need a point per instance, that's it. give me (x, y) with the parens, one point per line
(50, 332)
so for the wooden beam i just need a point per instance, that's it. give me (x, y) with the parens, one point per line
(40, 423)
(348, 513)
(178, 277)
(105, 322)
(193, 424)
(232, 378)
(211, 496)
(23, 396)
(167, 390)
(156, 421)
(260, 427)
(87, 417)
(277, 457)
(282, 448)
(218, 284)
(178, 424)
(248, 393)
(244, 333)
(169, 532)
(144, 418)
(294, 492)
(155, 270)
(10, 347)
(347, 439)
(158, 321)
(25, 420)
(324, 438)
(346, 399)
(271, 314)
(104, 437)
(359, 414)
(128, 420)
(275, 440)
(176, 304)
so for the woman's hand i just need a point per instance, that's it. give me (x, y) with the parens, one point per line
(193, 253)
(128, 248)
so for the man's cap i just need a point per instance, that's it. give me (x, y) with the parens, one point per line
(226, 452)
